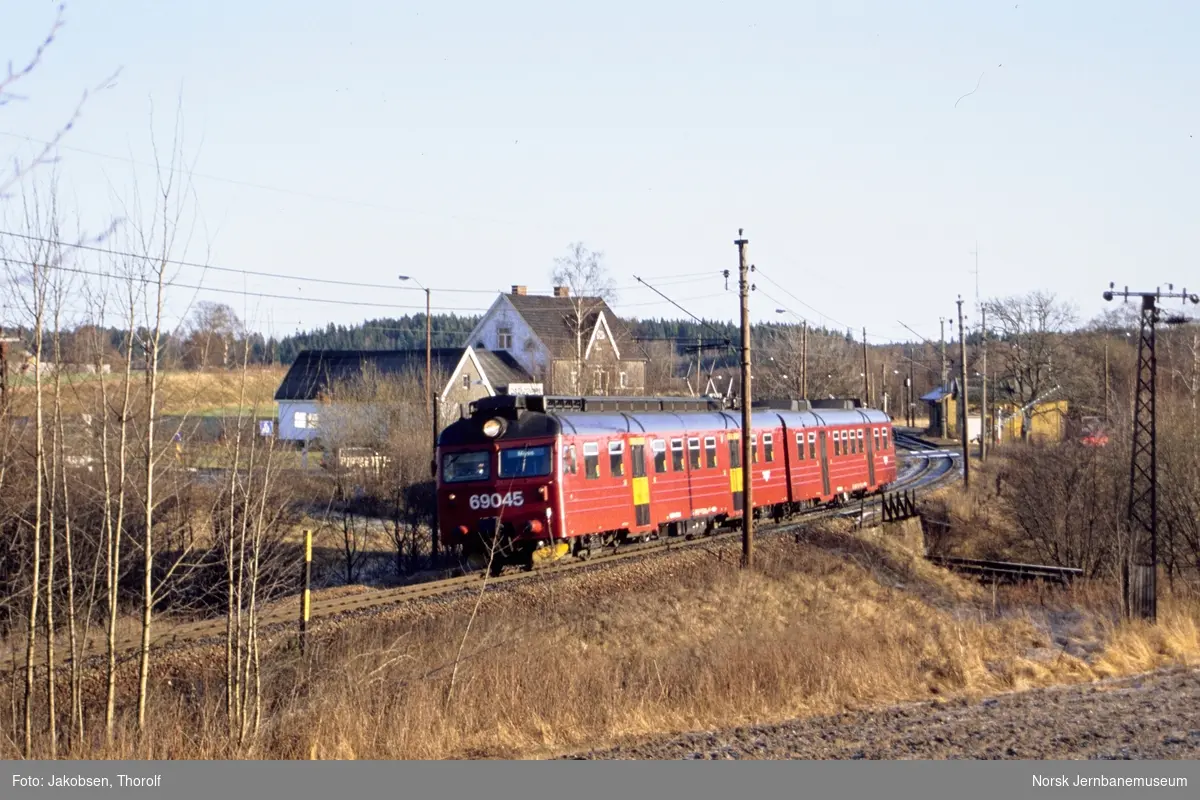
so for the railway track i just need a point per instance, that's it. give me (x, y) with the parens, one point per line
(924, 467)
(1007, 571)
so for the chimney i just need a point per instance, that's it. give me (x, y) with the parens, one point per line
(519, 290)
(562, 291)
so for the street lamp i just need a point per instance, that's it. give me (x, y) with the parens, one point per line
(428, 344)
(430, 411)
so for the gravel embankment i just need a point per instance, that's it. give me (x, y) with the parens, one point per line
(1154, 716)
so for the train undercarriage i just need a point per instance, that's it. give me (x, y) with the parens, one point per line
(495, 552)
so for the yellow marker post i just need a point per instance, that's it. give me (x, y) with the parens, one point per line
(306, 598)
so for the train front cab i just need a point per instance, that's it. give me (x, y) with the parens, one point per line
(503, 493)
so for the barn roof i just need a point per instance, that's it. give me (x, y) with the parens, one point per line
(551, 319)
(314, 371)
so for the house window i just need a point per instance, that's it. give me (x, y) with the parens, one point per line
(694, 453)
(568, 459)
(800, 446)
(299, 420)
(591, 460)
(769, 447)
(467, 382)
(598, 381)
(677, 455)
(504, 339)
(623, 380)
(600, 334)
(616, 458)
(660, 455)
(313, 419)
(710, 451)
(735, 453)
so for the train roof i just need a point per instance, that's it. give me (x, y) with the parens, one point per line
(537, 417)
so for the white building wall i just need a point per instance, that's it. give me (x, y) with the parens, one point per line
(526, 348)
(292, 415)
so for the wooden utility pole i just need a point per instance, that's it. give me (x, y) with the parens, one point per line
(747, 463)
(985, 430)
(804, 360)
(966, 437)
(866, 373)
(881, 390)
(945, 379)
(912, 389)
(1106, 384)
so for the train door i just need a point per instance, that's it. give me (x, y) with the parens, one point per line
(870, 458)
(824, 465)
(641, 484)
(735, 470)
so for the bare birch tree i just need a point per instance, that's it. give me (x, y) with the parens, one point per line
(581, 272)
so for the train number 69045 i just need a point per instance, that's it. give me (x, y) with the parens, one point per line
(497, 500)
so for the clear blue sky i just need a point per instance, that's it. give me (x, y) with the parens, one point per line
(467, 143)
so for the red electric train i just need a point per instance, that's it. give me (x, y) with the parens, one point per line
(545, 476)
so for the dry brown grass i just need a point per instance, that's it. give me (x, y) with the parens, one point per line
(192, 393)
(682, 642)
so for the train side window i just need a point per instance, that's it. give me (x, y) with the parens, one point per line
(812, 446)
(800, 446)
(677, 455)
(754, 448)
(885, 438)
(591, 460)
(638, 453)
(710, 451)
(875, 432)
(735, 453)
(568, 459)
(694, 453)
(769, 447)
(862, 447)
(837, 443)
(659, 447)
(616, 458)
(850, 448)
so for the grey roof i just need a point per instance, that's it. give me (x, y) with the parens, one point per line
(941, 392)
(314, 371)
(552, 320)
(500, 368)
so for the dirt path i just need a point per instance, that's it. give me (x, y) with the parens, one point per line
(1152, 716)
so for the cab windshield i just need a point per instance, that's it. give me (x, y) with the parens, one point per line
(459, 467)
(524, 462)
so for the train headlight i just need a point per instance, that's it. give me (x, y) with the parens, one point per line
(492, 428)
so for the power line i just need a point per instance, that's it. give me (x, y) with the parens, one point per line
(815, 310)
(239, 292)
(724, 338)
(196, 265)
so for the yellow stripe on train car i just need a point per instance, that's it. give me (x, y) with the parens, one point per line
(735, 479)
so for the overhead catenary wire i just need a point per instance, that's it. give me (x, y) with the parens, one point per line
(706, 324)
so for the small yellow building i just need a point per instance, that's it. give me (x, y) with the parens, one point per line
(1047, 422)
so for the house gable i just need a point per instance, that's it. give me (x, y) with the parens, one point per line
(601, 331)
(468, 357)
(503, 327)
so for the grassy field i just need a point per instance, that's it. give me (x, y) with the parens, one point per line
(213, 393)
